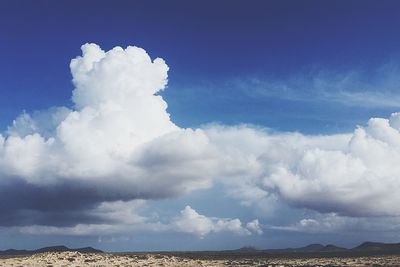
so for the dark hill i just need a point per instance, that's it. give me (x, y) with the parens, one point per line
(52, 249)
(12, 252)
(365, 247)
(247, 249)
(332, 248)
(376, 246)
(309, 248)
(88, 250)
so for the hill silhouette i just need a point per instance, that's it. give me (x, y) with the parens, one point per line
(364, 247)
(10, 252)
(375, 246)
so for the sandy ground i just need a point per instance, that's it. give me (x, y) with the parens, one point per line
(80, 259)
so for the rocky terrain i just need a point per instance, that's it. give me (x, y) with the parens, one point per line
(366, 254)
(74, 258)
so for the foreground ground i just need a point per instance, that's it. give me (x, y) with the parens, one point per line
(103, 259)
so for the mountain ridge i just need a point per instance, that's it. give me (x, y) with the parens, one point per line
(9, 252)
(363, 247)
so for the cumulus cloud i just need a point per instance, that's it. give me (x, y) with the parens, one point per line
(116, 143)
(71, 168)
(361, 179)
(194, 223)
(255, 227)
(351, 174)
(86, 169)
(116, 111)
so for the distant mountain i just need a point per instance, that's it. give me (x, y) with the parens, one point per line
(247, 249)
(12, 252)
(309, 248)
(332, 248)
(52, 249)
(376, 246)
(313, 248)
(88, 250)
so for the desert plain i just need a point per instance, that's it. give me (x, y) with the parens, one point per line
(58, 259)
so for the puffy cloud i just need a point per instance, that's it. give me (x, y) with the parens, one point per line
(178, 162)
(42, 122)
(117, 111)
(120, 76)
(351, 174)
(82, 170)
(194, 223)
(361, 179)
(117, 143)
(255, 227)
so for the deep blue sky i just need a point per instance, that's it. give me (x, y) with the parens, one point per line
(207, 44)
(231, 62)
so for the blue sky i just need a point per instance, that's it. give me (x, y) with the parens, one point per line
(207, 46)
(254, 81)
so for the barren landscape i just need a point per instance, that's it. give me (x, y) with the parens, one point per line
(167, 259)
(365, 254)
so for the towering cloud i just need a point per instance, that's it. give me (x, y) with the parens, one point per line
(116, 143)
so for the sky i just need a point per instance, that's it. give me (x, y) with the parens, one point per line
(199, 125)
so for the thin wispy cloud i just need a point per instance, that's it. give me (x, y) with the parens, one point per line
(381, 89)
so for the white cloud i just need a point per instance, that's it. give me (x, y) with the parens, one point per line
(117, 122)
(334, 223)
(327, 223)
(362, 179)
(255, 227)
(42, 122)
(194, 223)
(354, 174)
